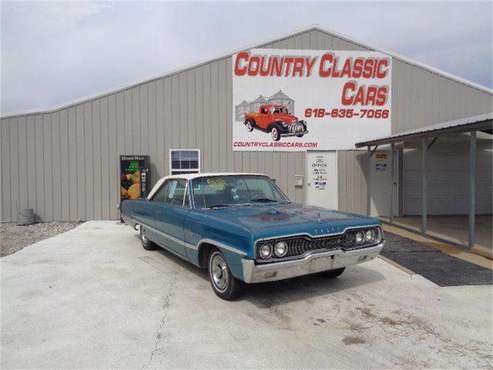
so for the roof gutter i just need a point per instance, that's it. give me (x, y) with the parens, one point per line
(470, 126)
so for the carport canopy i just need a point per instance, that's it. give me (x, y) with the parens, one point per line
(427, 135)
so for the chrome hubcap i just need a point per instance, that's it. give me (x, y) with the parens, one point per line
(219, 272)
(143, 236)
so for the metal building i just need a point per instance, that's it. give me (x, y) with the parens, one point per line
(64, 162)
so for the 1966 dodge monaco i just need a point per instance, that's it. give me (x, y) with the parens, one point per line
(242, 228)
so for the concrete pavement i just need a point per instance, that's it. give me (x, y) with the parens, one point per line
(93, 298)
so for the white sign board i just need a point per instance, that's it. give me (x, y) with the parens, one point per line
(297, 100)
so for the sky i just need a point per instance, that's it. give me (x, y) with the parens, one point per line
(53, 53)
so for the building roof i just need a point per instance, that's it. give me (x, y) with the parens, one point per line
(479, 122)
(260, 45)
(280, 95)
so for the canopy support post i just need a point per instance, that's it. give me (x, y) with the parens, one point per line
(472, 188)
(368, 183)
(392, 165)
(424, 210)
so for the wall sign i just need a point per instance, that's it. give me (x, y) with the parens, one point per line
(319, 173)
(297, 100)
(381, 162)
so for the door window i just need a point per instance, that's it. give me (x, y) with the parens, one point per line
(160, 195)
(176, 193)
(172, 192)
(187, 199)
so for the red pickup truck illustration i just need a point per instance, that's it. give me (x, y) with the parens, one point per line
(277, 120)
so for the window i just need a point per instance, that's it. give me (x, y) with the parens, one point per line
(279, 110)
(184, 161)
(226, 191)
(160, 195)
(172, 193)
(187, 199)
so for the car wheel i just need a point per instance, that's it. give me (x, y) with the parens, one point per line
(274, 132)
(249, 125)
(147, 244)
(224, 284)
(331, 274)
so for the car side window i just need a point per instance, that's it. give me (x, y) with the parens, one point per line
(187, 198)
(160, 195)
(175, 193)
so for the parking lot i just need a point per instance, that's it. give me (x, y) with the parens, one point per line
(92, 297)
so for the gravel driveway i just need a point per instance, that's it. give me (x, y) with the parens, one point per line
(13, 237)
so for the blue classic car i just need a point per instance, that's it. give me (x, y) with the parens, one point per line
(243, 229)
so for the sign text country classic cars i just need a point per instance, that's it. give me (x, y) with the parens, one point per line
(297, 100)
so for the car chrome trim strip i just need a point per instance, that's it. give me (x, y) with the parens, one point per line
(191, 246)
(222, 246)
(166, 235)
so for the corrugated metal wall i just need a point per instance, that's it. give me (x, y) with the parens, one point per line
(64, 164)
(352, 166)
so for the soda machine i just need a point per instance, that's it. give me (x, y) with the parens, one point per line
(135, 176)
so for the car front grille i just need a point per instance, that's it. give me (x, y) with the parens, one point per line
(296, 128)
(301, 245)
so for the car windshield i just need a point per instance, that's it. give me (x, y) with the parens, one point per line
(226, 191)
(280, 110)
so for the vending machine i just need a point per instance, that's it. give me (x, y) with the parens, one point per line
(135, 176)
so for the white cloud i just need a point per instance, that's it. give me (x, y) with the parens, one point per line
(54, 52)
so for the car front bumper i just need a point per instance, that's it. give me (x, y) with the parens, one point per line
(286, 134)
(310, 264)
(298, 128)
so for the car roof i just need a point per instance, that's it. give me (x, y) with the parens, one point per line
(191, 176)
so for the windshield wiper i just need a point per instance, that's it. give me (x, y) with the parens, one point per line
(263, 200)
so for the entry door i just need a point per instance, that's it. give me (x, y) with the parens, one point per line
(321, 179)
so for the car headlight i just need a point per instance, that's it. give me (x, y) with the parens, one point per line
(280, 249)
(366, 236)
(265, 251)
(378, 234)
(360, 237)
(284, 124)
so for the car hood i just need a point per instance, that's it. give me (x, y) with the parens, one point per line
(271, 220)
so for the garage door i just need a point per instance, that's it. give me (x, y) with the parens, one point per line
(448, 181)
